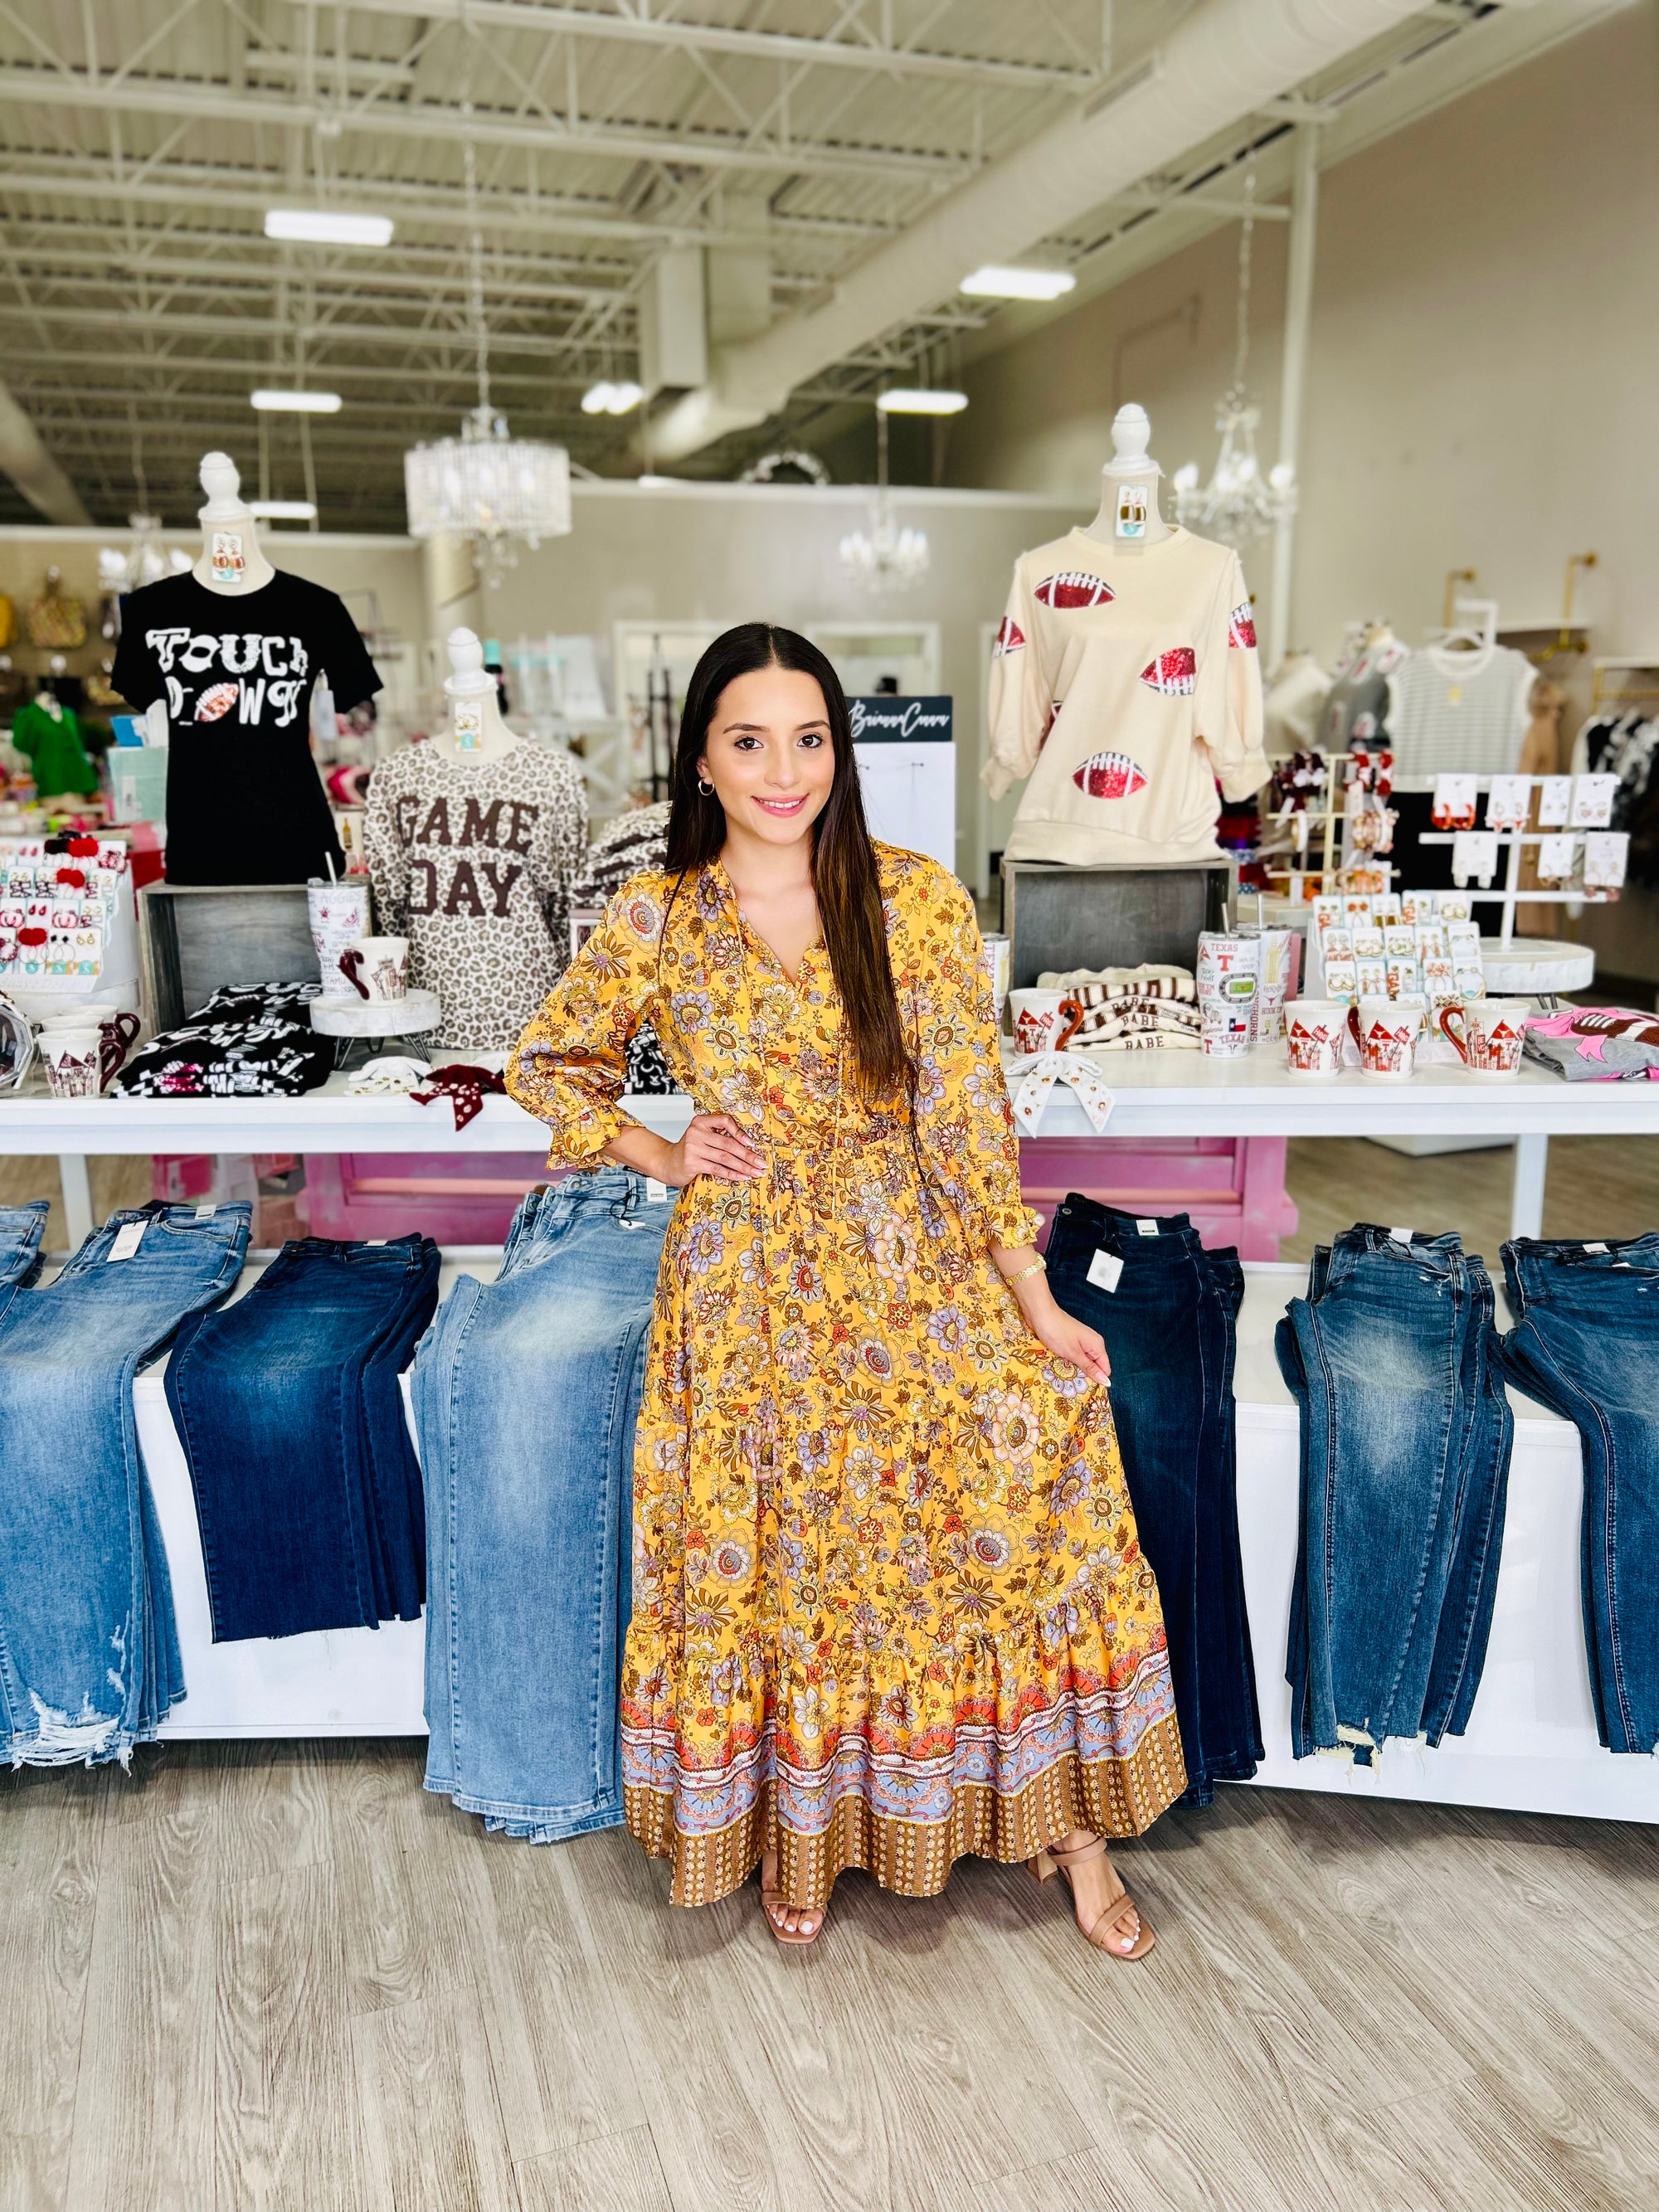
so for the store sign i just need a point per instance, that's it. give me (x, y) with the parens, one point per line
(908, 768)
(887, 720)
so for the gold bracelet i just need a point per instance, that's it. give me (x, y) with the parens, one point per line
(1038, 1267)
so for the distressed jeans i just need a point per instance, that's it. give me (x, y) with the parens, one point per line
(525, 1392)
(1586, 1343)
(1406, 1437)
(287, 1407)
(1168, 1310)
(88, 1654)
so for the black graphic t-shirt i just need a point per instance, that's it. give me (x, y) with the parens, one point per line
(245, 802)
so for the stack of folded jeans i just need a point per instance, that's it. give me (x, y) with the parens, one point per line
(1168, 1310)
(289, 1409)
(1406, 1434)
(89, 1653)
(1586, 1343)
(526, 1393)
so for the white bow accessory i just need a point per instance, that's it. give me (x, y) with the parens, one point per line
(391, 1075)
(1037, 1076)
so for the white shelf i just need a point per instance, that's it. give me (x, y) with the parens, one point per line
(1531, 1744)
(1178, 1094)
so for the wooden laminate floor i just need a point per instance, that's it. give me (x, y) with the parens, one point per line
(281, 1976)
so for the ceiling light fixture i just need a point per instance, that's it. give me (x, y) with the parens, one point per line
(1239, 504)
(906, 399)
(608, 398)
(992, 283)
(295, 403)
(486, 485)
(328, 226)
(886, 557)
(282, 510)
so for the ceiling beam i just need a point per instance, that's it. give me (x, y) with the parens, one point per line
(642, 27)
(179, 183)
(430, 121)
(312, 335)
(464, 375)
(123, 267)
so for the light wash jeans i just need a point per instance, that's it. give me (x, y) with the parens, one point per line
(526, 1393)
(88, 1654)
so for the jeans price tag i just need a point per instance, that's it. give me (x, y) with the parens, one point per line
(1400, 1236)
(127, 1237)
(206, 1212)
(1144, 1228)
(656, 1192)
(1104, 1270)
(1595, 1247)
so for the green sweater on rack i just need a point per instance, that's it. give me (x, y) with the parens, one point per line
(51, 744)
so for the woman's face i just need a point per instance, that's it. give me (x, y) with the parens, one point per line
(769, 754)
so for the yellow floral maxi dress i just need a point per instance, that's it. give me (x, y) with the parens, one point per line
(888, 1602)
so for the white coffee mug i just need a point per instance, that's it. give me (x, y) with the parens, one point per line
(1489, 1033)
(1313, 1031)
(377, 968)
(1044, 1021)
(71, 1058)
(1388, 1032)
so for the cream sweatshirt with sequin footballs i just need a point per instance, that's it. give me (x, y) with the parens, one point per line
(1124, 686)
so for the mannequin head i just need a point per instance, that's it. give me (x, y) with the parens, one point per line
(476, 730)
(231, 561)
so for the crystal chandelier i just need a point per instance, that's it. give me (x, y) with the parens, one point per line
(1239, 503)
(487, 486)
(885, 557)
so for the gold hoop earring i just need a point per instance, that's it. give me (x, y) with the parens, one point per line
(705, 788)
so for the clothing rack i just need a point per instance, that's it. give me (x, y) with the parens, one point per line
(1605, 692)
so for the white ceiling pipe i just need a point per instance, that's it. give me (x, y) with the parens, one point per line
(1226, 60)
(32, 468)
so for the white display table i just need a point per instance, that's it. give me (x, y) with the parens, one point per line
(1531, 1744)
(1159, 1095)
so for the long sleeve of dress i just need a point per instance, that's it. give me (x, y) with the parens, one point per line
(964, 1120)
(1230, 716)
(1019, 703)
(388, 861)
(570, 1068)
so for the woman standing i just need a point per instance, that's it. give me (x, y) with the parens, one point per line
(889, 1603)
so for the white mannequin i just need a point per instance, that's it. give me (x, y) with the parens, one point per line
(1130, 483)
(477, 733)
(231, 562)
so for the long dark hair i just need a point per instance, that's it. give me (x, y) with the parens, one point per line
(844, 873)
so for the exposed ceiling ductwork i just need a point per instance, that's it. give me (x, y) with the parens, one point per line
(1227, 60)
(32, 468)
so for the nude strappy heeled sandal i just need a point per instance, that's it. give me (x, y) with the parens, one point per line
(1107, 1933)
(773, 1901)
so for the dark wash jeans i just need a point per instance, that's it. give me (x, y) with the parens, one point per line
(88, 1652)
(1586, 1343)
(1170, 1330)
(526, 1391)
(1406, 1437)
(286, 1404)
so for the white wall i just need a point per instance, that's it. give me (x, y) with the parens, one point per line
(731, 553)
(1481, 385)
